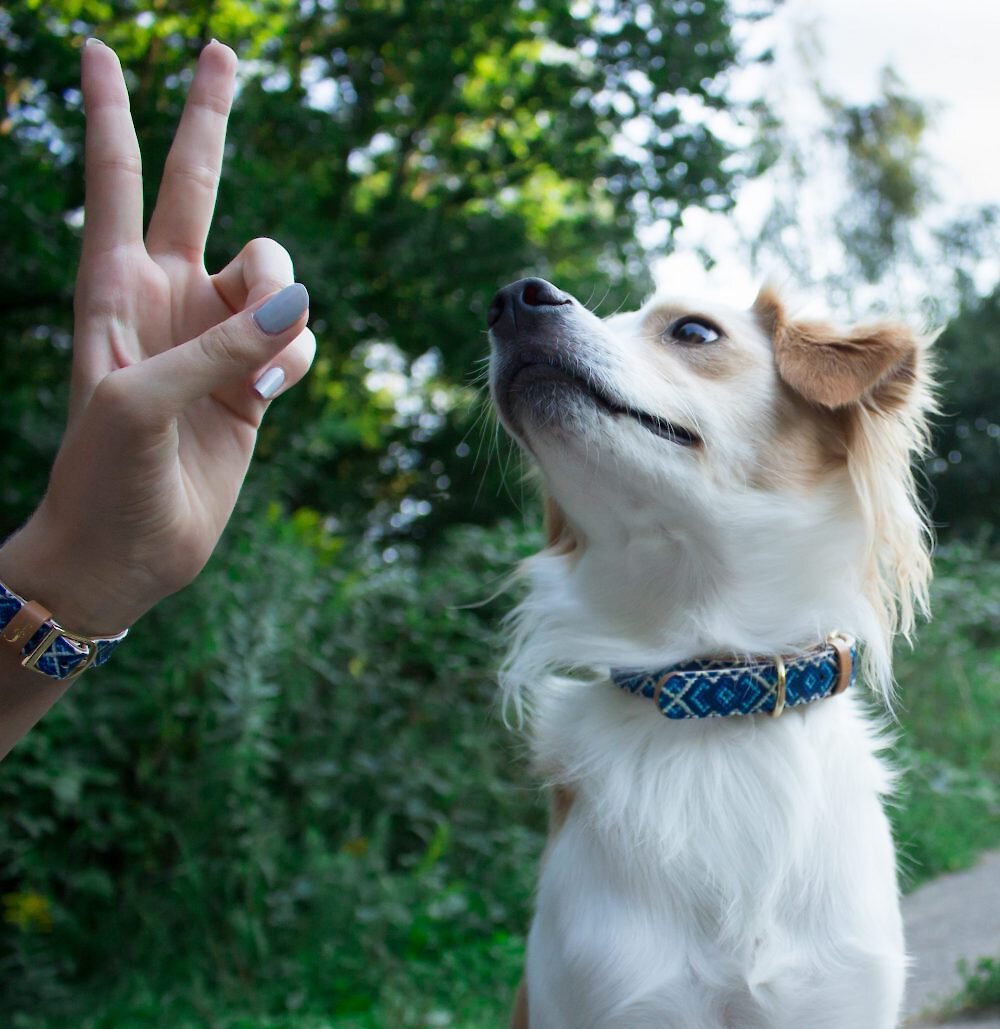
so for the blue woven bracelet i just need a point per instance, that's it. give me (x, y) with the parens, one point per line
(50, 649)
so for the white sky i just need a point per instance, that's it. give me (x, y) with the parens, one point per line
(945, 52)
(947, 55)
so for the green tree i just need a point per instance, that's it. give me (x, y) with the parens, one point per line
(855, 210)
(962, 473)
(850, 194)
(887, 170)
(413, 155)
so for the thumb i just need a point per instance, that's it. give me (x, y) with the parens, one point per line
(232, 350)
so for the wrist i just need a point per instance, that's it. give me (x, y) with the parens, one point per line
(84, 597)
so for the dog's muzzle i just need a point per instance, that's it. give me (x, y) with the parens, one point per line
(543, 342)
(523, 305)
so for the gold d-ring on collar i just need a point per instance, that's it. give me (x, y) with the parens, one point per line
(779, 693)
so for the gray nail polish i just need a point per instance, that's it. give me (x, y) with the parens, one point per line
(283, 309)
(269, 383)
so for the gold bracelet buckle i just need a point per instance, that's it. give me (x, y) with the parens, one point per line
(85, 643)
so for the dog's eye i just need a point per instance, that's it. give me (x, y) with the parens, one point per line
(694, 330)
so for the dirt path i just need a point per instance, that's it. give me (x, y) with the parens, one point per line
(954, 917)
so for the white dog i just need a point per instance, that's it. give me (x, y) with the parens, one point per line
(727, 488)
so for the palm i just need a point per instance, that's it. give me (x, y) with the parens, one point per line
(176, 302)
(172, 454)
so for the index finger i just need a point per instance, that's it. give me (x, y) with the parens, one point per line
(112, 165)
(184, 206)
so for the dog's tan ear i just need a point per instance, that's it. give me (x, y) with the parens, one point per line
(836, 369)
(839, 369)
(560, 536)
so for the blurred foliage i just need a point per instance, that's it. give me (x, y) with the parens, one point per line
(293, 789)
(850, 184)
(964, 472)
(293, 798)
(887, 167)
(949, 745)
(981, 986)
(289, 801)
(413, 156)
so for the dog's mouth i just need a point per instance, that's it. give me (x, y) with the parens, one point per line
(526, 374)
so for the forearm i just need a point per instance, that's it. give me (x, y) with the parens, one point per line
(173, 371)
(35, 566)
(24, 697)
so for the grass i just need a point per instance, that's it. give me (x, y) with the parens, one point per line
(948, 808)
(981, 989)
(467, 987)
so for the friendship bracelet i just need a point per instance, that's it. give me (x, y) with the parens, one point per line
(46, 647)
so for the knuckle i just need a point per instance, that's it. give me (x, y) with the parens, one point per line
(204, 176)
(110, 163)
(223, 345)
(269, 246)
(215, 102)
(184, 249)
(264, 285)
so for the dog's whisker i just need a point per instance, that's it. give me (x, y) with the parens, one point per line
(600, 302)
(721, 490)
(621, 304)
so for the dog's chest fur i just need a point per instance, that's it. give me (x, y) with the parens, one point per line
(718, 484)
(723, 874)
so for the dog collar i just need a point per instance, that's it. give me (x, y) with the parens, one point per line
(44, 645)
(717, 688)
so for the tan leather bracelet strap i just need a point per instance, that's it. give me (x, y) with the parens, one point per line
(24, 625)
(44, 646)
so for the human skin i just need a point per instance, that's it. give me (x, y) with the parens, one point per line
(163, 412)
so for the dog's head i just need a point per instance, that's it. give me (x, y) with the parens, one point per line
(705, 464)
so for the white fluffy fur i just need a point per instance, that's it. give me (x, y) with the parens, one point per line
(732, 872)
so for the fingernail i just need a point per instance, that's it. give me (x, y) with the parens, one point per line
(269, 383)
(94, 41)
(283, 309)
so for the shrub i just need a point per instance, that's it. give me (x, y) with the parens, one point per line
(290, 787)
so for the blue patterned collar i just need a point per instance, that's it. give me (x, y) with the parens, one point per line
(715, 688)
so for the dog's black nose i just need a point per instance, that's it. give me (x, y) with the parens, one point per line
(532, 296)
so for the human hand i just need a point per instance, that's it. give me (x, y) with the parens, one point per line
(163, 412)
